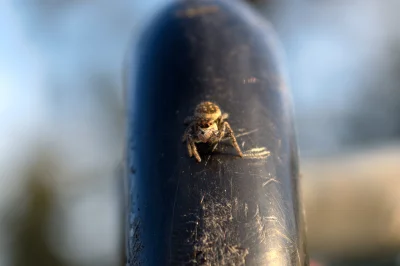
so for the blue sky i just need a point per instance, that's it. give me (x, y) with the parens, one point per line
(21, 71)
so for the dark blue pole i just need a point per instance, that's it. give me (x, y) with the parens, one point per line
(225, 210)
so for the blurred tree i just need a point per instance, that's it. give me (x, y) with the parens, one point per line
(30, 230)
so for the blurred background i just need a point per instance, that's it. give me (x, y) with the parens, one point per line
(62, 126)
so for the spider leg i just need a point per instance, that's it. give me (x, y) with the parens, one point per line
(189, 147)
(188, 131)
(194, 149)
(185, 136)
(226, 126)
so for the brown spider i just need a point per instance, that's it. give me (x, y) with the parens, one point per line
(207, 125)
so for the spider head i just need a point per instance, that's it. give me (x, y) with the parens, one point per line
(207, 129)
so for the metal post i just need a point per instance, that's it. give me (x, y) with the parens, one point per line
(225, 210)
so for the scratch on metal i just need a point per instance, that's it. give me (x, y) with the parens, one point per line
(256, 153)
(218, 241)
(269, 181)
(209, 156)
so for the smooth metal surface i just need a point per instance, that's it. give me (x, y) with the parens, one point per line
(225, 210)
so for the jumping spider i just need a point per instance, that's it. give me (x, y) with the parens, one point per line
(207, 125)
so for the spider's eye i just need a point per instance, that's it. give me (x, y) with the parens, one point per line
(206, 124)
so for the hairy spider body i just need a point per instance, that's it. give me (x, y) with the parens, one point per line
(207, 125)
